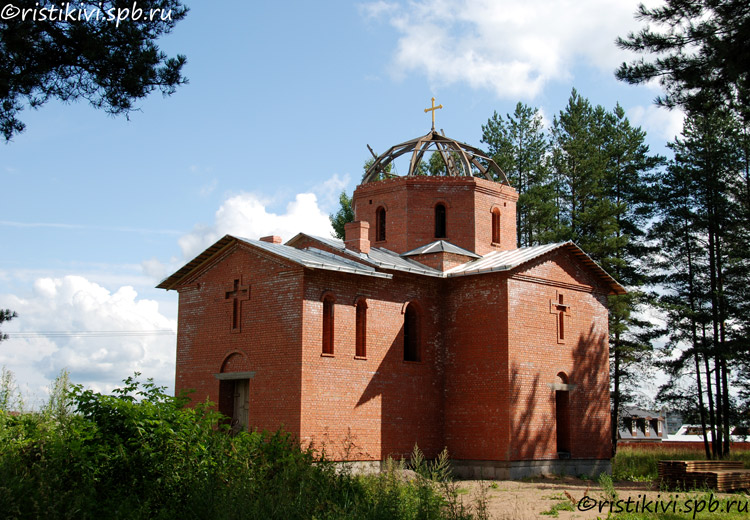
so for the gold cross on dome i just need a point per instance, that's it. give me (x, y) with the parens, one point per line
(433, 112)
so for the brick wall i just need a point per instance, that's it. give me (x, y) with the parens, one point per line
(381, 405)
(492, 352)
(410, 210)
(268, 338)
(477, 397)
(537, 355)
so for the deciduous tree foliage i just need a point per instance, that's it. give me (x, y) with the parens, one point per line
(343, 216)
(112, 63)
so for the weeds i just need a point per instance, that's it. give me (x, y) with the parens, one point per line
(608, 486)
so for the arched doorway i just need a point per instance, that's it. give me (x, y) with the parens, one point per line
(562, 416)
(234, 391)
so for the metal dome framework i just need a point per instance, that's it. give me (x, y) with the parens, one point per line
(460, 159)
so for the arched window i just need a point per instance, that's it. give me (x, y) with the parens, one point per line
(380, 224)
(411, 334)
(440, 221)
(361, 329)
(496, 226)
(328, 302)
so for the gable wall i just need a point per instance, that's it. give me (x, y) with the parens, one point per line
(381, 405)
(536, 357)
(268, 342)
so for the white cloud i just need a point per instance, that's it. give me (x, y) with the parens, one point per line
(154, 268)
(328, 191)
(100, 361)
(658, 120)
(512, 47)
(208, 188)
(246, 215)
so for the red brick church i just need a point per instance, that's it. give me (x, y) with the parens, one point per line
(427, 325)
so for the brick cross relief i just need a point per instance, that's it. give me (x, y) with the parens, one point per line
(236, 296)
(558, 307)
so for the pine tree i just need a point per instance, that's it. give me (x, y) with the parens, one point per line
(111, 65)
(699, 50)
(708, 166)
(518, 144)
(603, 169)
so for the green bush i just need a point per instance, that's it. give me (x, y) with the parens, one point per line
(140, 453)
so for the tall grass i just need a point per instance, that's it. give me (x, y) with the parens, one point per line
(638, 464)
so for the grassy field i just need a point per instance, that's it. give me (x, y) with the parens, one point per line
(640, 465)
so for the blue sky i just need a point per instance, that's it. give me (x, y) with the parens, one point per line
(283, 99)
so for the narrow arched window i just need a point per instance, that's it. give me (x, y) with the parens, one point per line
(328, 325)
(411, 334)
(361, 329)
(440, 221)
(380, 224)
(496, 226)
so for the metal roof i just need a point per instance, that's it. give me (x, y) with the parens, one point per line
(316, 258)
(502, 260)
(365, 264)
(310, 258)
(378, 256)
(507, 260)
(440, 246)
(491, 262)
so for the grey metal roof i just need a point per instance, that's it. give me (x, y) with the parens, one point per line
(630, 411)
(440, 246)
(378, 256)
(507, 260)
(310, 258)
(366, 264)
(502, 260)
(491, 262)
(316, 258)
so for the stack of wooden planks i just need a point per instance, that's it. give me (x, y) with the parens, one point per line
(715, 474)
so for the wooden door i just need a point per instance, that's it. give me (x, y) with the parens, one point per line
(241, 412)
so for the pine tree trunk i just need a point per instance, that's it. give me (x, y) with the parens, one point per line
(694, 333)
(709, 392)
(616, 396)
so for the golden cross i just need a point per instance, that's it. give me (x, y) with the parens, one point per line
(433, 112)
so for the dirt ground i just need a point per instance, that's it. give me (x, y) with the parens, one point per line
(520, 500)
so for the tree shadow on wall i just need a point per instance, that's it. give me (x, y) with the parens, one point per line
(590, 416)
(410, 405)
(534, 427)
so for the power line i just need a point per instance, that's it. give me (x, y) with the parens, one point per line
(91, 333)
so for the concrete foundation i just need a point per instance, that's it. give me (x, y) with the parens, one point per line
(499, 470)
(513, 470)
